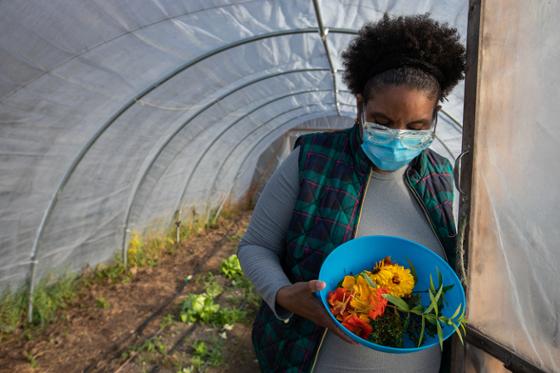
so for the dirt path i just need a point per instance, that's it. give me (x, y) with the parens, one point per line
(134, 327)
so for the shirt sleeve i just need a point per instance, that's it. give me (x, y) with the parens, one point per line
(263, 244)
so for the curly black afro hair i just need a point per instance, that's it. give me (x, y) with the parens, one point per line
(412, 37)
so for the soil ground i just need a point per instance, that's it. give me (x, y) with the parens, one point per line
(134, 326)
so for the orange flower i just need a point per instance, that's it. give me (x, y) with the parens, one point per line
(338, 299)
(377, 303)
(357, 326)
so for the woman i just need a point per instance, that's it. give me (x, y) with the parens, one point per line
(378, 177)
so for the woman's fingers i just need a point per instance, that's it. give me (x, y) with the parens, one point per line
(299, 299)
(316, 285)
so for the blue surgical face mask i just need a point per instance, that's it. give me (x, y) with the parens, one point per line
(390, 149)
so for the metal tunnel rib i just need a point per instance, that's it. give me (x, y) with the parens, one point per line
(323, 32)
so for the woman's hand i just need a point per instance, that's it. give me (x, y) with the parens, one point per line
(299, 299)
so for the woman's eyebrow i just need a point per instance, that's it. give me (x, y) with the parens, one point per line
(421, 121)
(378, 114)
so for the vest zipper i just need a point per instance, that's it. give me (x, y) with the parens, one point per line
(418, 199)
(357, 227)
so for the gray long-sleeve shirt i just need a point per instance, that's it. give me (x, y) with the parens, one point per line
(388, 209)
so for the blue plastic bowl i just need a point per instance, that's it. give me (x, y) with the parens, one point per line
(358, 254)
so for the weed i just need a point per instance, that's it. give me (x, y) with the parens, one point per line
(199, 307)
(203, 354)
(166, 321)
(236, 237)
(211, 285)
(155, 345)
(231, 268)
(31, 360)
(102, 303)
(12, 306)
(112, 273)
(49, 296)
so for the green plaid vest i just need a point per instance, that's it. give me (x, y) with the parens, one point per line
(333, 171)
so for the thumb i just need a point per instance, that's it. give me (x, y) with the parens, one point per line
(316, 285)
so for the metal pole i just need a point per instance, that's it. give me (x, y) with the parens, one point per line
(323, 32)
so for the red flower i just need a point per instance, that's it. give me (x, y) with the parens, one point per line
(377, 303)
(357, 326)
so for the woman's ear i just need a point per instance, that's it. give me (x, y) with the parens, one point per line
(437, 108)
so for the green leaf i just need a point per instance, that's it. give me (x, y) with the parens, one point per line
(440, 277)
(401, 304)
(440, 335)
(413, 271)
(458, 332)
(432, 287)
(417, 310)
(434, 300)
(368, 280)
(430, 318)
(422, 331)
(447, 288)
(456, 311)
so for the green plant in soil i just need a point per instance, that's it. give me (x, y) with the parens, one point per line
(231, 268)
(50, 296)
(204, 354)
(31, 359)
(102, 303)
(12, 306)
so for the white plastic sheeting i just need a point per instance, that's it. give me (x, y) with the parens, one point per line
(113, 115)
(514, 292)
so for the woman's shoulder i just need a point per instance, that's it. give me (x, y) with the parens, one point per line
(323, 138)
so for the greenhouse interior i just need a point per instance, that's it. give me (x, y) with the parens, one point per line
(137, 136)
